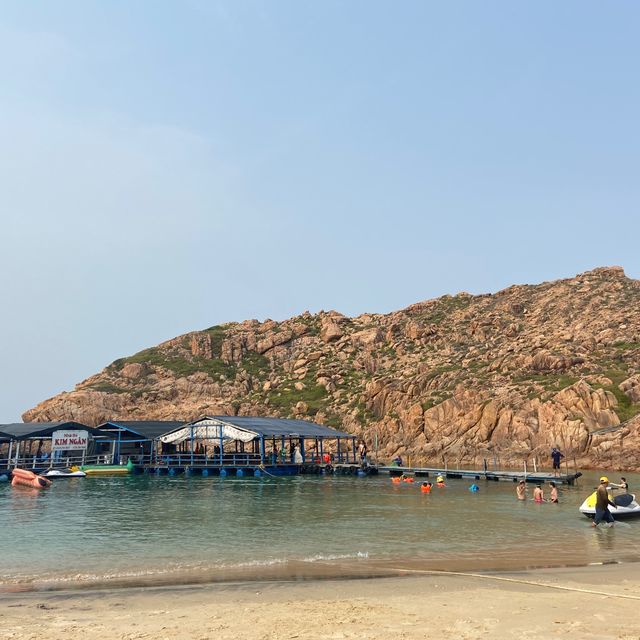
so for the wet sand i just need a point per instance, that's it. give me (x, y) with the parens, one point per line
(585, 603)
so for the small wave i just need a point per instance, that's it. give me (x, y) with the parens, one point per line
(321, 557)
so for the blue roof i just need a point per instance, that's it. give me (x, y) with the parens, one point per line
(146, 429)
(27, 430)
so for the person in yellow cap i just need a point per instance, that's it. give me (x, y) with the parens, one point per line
(602, 503)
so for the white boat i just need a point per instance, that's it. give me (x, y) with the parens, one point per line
(626, 506)
(63, 473)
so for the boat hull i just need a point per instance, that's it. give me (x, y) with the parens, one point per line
(62, 473)
(629, 510)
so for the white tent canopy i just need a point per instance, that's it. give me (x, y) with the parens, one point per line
(208, 429)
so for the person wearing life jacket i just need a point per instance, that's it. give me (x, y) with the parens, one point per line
(474, 488)
(397, 479)
(440, 481)
(425, 487)
(407, 479)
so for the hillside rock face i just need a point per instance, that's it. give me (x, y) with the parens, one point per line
(456, 379)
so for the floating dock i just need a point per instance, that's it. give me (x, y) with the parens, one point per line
(538, 477)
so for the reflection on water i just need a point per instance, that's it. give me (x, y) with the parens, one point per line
(145, 529)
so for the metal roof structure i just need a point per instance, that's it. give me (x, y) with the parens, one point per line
(145, 429)
(28, 430)
(249, 427)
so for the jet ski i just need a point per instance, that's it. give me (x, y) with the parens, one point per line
(63, 473)
(626, 506)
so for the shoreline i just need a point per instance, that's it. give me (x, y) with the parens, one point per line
(286, 572)
(587, 602)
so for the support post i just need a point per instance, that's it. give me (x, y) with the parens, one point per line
(117, 455)
(321, 450)
(375, 445)
(261, 449)
(339, 452)
(191, 442)
(302, 448)
(221, 442)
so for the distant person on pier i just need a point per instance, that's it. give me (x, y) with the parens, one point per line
(556, 456)
(362, 452)
(397, 461)
(521, 490)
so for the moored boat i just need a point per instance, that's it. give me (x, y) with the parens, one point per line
(626, 506)
(64, 473)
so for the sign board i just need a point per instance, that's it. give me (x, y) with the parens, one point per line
(69, 440)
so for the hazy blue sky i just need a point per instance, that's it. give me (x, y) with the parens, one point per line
(167, 166)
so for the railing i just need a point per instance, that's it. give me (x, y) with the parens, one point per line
(203, 460)
(48, 462)
(183, 459)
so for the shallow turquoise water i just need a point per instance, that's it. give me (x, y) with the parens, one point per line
(161, 528)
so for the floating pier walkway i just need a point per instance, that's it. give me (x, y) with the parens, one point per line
(538, 477)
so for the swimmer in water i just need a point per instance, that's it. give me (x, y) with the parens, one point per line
(553, 496)
(521, 490)
(538, 494)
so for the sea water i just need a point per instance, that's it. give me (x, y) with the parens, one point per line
(145, 529)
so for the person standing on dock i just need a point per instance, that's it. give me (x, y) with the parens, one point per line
(556, 456)
(602, 503)
(362, 452)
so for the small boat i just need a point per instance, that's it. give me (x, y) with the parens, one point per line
(64, 473)
(626, 506)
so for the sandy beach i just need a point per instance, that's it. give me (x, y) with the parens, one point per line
(589, 602)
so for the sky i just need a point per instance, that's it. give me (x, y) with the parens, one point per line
(169, 166)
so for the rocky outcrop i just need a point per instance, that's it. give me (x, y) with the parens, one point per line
(455, 379)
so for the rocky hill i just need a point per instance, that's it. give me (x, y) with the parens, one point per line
(457, 378)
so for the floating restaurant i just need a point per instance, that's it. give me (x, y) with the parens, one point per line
(134, 439)
(212, 445)
(37, 445)
(238, 445)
